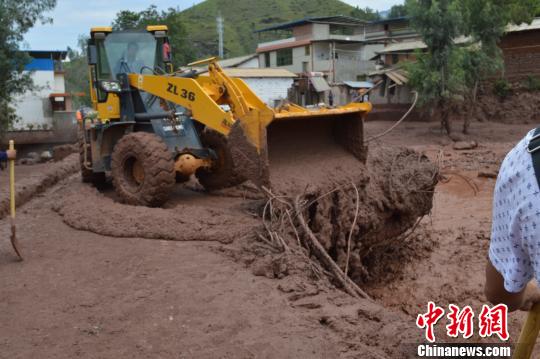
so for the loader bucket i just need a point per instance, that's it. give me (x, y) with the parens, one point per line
(296, 139)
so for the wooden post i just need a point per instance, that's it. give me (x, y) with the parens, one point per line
(529, 333)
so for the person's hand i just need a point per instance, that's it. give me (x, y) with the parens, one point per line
(531, 296)
(11, 154)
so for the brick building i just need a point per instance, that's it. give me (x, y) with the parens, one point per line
(521, 50)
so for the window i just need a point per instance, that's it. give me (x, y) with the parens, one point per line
(305, 66)
(341, 30)
(266, 59)
(284, 57)
(307, 50)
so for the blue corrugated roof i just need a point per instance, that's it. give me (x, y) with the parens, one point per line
(40, 65)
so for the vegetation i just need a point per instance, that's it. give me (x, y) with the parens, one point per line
(502, 88)
(365, 14)
(178, 35)
(397, 11)
(243, 17)
(449, 74)
(532, 83)
(16, 18)
(77, 75)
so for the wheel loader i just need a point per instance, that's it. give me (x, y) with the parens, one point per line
(151, 126)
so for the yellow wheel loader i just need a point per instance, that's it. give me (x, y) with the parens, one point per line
(151, 127)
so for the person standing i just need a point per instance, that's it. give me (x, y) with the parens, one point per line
(514, 250)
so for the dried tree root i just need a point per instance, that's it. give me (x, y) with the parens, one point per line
(348, 285)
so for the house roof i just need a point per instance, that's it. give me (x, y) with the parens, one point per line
(534, 25)
(407, 46)
(397, 74)
(256, 72)
(319, 83)
(283, 45)
(336, 20)
(236, 61)
(418, 44)
(389, 21)
(358, 84)
(47, 54)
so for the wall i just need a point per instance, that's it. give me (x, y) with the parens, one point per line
(34, 108)
(269, 89)
(321, 57)
(59, 83)
(521, 52)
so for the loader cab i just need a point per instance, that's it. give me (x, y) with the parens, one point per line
(112, 53)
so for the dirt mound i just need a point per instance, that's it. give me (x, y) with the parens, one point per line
(395, 190)
(85, 208)
(519, 107)
(362, 214)
(62, 151)
(29, 185)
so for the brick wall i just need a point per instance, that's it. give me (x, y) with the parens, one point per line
(521, 51)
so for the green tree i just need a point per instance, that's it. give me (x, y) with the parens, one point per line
(77, 74)
(397, 11)
(448, 74)
(437, 75)
(16, 18)
(181, 49)
(485, 21)
(367, 14)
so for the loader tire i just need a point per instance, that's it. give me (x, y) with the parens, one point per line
(88, 176)
(221, 174)
(142, 169)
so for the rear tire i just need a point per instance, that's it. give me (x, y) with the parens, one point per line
(88, 176)
(142, 169)
(221, 174)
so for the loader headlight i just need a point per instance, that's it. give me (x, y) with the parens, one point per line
(110, 86)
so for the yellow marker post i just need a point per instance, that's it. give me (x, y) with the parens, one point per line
(12, 200)
(529, 333)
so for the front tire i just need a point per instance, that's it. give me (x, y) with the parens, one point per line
(221, 174)
(142, 169)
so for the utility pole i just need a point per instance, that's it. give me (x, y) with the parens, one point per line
(219, 20)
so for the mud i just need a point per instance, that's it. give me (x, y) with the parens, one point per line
(127, 297)
(395, 188)
(521, 106)
(62, 151)
(178, 222)
(32, 180)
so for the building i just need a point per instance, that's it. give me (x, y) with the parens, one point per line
(328, 53)
(521, 50)
(45, 114)
(321, 51)
(271, 85)
(36, 109)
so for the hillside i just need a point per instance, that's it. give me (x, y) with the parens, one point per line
(242, 17)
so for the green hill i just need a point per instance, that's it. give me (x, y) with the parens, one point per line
(242, 17)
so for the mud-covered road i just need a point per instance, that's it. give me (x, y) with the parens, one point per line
(81, 293)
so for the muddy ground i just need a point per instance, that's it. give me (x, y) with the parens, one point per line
(85, 292)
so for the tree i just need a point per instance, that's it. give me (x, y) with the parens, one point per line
(77, 74)
(436, 75)
(16, 18)
(449, 74)
(181, 49)
(367, 14)
(397, 11)
(485, 21)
